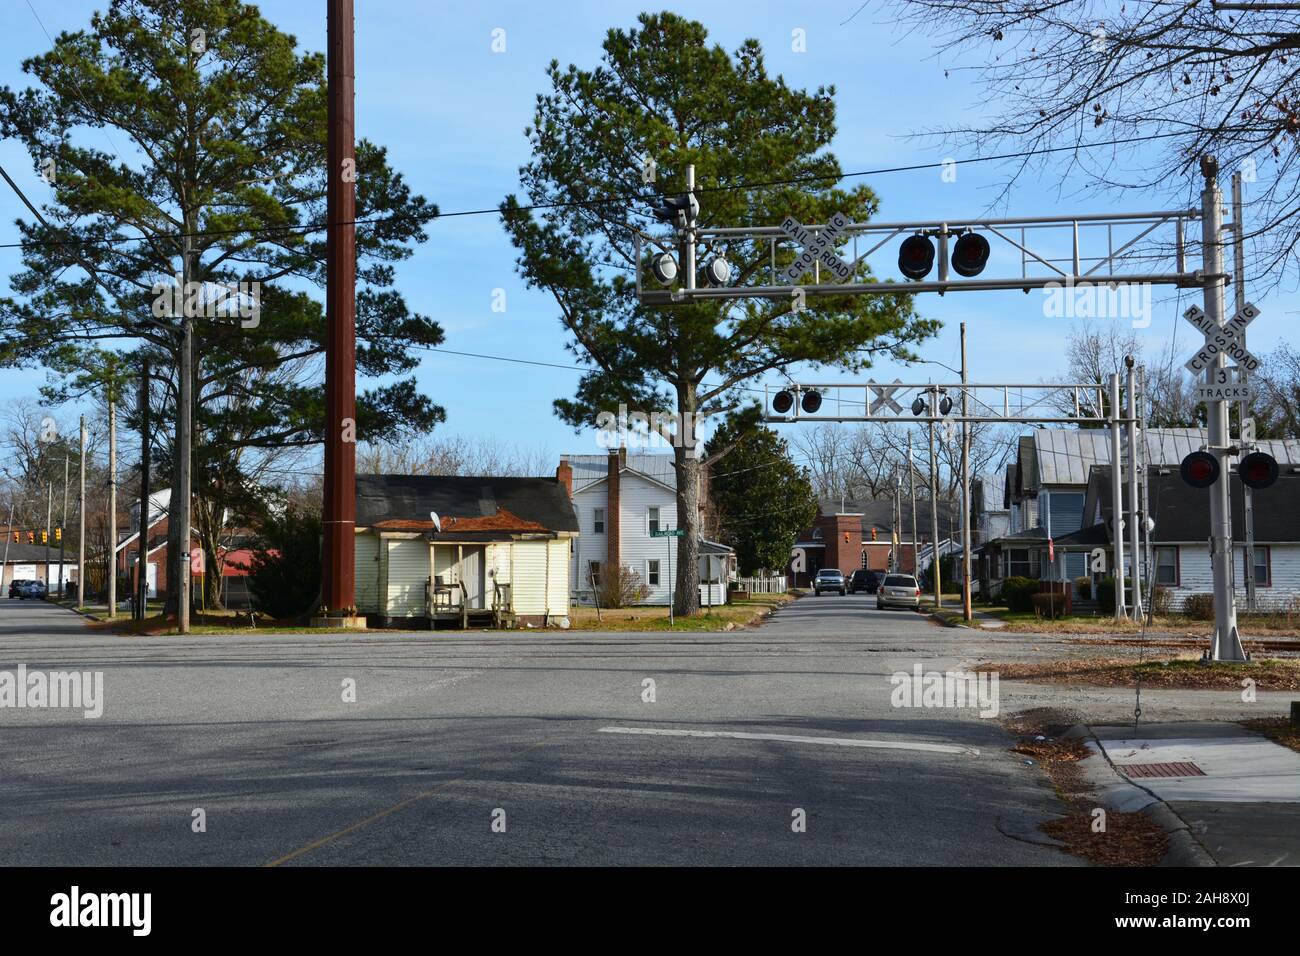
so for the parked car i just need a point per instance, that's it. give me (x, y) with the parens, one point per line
(865, 581)
(898, 590)
(829, 579)
(35, 590)
(17, 585)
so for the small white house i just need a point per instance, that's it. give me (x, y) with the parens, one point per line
(620, 501)
(462, 551)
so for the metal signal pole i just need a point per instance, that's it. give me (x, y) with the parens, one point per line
(1117, 499)
(965, 486)
(338, 573)
(911, 487)
(934, 512)
(1226, 645)
(81, 523)
(112, 502)
(1239, 296)
(1136, 512)
(142, 566)
(63, 530)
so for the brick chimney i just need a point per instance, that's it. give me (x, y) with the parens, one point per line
(613, 507)
(564, 475)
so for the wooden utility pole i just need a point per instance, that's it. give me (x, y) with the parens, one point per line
(81, 523)
(338, 573)
(63, 530)
(911, 485)
(112, 504)
(49, 529)
(142, 564)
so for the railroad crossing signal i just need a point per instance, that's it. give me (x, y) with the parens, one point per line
(1224, 340)
(818, 246)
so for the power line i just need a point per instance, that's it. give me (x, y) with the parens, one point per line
(604, 200)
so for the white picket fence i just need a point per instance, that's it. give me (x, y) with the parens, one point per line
(774, 585)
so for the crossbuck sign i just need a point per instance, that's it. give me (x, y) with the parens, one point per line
(1225, 340)
(818, 247)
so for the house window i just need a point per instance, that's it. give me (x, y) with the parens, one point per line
(1018, 563)
(817, 534)
(1167, 567)
(652, 572)
(652, 519)
(598, 520)
(1263, 564)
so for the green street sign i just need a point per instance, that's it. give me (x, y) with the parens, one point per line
(667, 533)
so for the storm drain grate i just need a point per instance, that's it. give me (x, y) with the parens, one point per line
(1177, 769)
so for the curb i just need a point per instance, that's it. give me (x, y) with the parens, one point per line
(1184, 849)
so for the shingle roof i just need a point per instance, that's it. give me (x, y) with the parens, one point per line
(410, 498)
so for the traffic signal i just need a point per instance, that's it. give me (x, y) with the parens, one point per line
(811, 402)
(873, 534)
(970, 254)
(58, 534)
(679, 211)
(45, 536)
(31, 537)
(916, 257)
(1257, 470)
(782, 402)
(1200, 469)
(16, 533)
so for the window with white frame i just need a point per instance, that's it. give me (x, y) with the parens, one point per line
(652, 519)
(1017, 563)
(1263, 564)
(598, 520)
(652, 572)
(1167, 566)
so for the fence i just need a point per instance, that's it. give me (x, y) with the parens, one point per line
(774, 585)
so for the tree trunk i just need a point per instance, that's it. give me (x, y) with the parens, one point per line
(686, 587)
(174, 544)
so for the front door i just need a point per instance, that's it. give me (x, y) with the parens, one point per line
(473, 573)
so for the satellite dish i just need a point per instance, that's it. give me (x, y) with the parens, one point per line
(437, 522)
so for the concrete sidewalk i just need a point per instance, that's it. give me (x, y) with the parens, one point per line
(1243, 806)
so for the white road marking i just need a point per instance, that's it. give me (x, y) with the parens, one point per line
(794, 739)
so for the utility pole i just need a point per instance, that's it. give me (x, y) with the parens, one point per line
(1226, 645)
(934, 507)
(63, 529)
(1136, 514)
(338, 577)
(180, 497)
(112, 501)
(965, 485)
(1239, 296)
(1117, 499)
(142, 565)
(911, 485)
(49, 529)
(81, 523)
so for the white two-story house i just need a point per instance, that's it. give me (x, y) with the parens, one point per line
(620, 499)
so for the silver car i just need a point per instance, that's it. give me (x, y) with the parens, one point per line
(829, 579)
(898, 590)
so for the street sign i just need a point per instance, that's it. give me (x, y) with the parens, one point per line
(668, 533)
(1224, 388)
(1224, 340)
(818, 247)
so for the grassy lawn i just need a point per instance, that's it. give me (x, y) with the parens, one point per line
(735, 614)
(1182, 672)
(1280, 624)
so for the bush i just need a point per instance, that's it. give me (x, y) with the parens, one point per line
(1162, 600)
(284, 573)
(1199, 607)
(1048, 605)
(1106, 594)
(1084, 587)
(1019, 593)
(619, 586)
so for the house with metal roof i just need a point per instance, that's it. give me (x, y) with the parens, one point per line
(463, 551)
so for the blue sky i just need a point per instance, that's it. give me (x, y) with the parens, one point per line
(452, 114)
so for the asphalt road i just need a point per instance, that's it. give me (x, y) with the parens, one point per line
(548, 733)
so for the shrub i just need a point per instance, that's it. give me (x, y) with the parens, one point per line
(1048, 605)
(1019, 593)
(284, 573)
(619, 586)
(1106, 594)
(1162, 600)
(1200, 607)
(1084, 587)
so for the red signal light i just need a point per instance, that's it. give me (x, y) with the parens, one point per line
(1257, 470)
(1200, 469)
